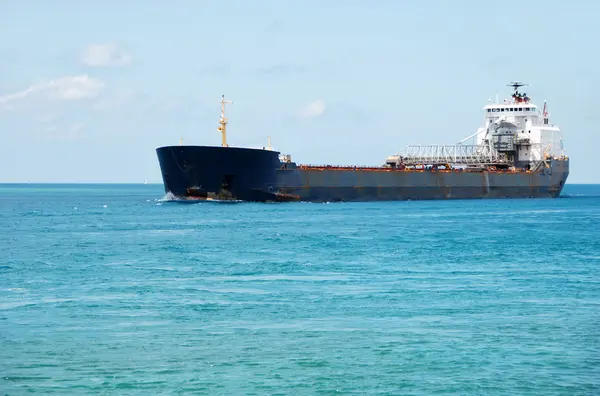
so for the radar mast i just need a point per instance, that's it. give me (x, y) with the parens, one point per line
(516, 85)
(517, 96)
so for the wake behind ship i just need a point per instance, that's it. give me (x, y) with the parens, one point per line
(516, 153)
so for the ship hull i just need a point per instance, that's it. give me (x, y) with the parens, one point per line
(218, 173)
(197, 172)
(385, 185)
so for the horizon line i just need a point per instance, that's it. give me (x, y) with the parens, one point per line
(161, 183)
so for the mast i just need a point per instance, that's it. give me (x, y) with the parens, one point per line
(223, 121)
(517, 96)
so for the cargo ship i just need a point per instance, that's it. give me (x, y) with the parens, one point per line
(515, 153)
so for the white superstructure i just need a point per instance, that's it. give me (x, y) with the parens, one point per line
(518, 116)
(514, 133)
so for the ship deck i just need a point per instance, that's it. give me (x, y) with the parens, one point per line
(407, 169)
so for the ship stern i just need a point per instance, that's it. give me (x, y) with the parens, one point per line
(560, 174)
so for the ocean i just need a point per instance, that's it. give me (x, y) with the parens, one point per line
(109, 289)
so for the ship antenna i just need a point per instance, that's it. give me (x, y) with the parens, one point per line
(516, 85)
(223, 121)
(269, 144)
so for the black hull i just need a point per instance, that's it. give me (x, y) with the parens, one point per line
(218, 172)
(200, 172)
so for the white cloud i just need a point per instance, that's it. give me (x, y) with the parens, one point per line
(76, 127)
(64, 88)
(105, 55)
(313, 109)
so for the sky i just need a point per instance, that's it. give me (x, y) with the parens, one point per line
(89, 90)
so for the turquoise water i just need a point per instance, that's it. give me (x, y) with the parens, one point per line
(106, 289)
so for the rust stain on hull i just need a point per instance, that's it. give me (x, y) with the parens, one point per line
(371, 184)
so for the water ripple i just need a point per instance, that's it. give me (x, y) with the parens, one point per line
(124, 296)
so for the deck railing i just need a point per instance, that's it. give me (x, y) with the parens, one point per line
(456, 154)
